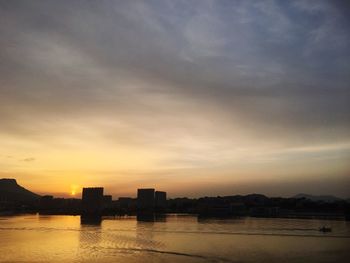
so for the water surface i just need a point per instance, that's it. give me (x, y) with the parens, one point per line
(171, 238)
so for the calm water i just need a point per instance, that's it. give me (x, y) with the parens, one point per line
(174, 238)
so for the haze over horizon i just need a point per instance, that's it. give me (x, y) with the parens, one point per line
(191, 97)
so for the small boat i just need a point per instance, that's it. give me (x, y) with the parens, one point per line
(325, 229)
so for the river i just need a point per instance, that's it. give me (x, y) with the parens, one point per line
(171, 238)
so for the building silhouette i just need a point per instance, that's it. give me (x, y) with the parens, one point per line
(149, 200)
(92, 200)
(160, 200)
(145, 200)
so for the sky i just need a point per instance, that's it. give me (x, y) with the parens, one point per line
(194, 98)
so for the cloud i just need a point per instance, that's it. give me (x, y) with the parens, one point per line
(207, 55)
(193, 81)
(29, 159)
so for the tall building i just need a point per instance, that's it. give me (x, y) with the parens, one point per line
(92, 200)
(160, 200)
(145, 199)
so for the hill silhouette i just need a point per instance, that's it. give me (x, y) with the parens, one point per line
(12, 192)
(315, 198)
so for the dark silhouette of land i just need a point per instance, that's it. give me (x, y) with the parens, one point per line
(11, 191)
(15, 198)
(150, 204)
(325, 198)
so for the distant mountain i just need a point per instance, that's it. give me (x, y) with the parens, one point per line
(324, 198)
(11, 191)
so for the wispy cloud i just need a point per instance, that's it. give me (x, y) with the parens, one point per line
(29, 159)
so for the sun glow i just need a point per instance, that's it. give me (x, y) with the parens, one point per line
(74, 189)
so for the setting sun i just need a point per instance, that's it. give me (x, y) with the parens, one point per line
(73, 189)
